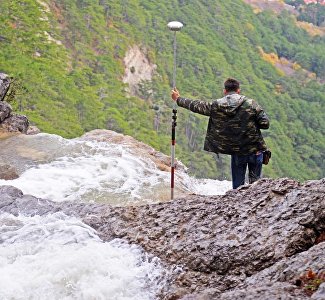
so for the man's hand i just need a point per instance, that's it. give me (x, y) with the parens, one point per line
(175, 94)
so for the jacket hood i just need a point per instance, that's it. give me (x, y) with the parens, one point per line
(230, 103)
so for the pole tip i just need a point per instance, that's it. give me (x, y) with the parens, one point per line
(175, 26)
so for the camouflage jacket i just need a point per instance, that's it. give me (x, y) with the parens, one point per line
(234, 124)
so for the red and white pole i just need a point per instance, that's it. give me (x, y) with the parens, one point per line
(174, 26)
(172, 165)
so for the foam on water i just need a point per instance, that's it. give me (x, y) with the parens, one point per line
(210, 187)
(112, 172)
(103, 172)
(59, 257)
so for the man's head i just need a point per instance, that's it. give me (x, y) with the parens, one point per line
(231, 85)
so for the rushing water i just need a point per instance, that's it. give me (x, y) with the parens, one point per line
(88, 170)
(59, 257)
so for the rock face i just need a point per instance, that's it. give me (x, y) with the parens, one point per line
(10, 122)
(252, 243)
(5, 110)
(138, 69)
(281, 278)
(4, 85)
(15, 123)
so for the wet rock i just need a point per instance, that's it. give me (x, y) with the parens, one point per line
(280, 280)
(8, 196)
(251, 243)
(261, 292)
(7, 172)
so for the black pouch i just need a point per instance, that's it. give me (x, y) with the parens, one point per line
(266, 156)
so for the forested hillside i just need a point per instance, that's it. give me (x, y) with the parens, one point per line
(67, 58)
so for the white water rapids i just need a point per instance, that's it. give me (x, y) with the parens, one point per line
(59, 257)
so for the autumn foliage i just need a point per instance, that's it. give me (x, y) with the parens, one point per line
(310, 281)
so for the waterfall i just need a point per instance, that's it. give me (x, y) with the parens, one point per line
(58, 256)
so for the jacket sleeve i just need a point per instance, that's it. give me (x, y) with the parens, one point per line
(262, 119)
(197, 106)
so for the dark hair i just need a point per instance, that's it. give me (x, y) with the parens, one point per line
(231, 85)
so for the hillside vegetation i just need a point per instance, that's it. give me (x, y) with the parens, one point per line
(68, 56)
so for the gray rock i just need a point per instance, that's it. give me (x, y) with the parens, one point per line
(320, 293)
(11, 191)
(15, 123)
(5, 110)
(10, 122)
(289, 269)
(8, 196)
(272, 291)
(252, 243)
(280, 280)
(4, 85)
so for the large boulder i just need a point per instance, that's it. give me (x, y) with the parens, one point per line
(15, 123)
(252, 243)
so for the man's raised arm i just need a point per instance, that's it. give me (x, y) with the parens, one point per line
(197, 106)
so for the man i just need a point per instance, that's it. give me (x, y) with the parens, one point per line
(234, 128)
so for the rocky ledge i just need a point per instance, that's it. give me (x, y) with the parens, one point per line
(9, 121)
(262, 241)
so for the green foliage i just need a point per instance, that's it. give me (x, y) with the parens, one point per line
(16, 89)
(312, 13)
(295, 3)
(292, 43)
(68, 55)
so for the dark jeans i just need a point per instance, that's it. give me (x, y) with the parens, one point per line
(238, 168)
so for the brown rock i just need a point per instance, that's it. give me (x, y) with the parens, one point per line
(7, 172)
(15, 123)
(33, 130)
